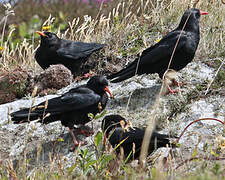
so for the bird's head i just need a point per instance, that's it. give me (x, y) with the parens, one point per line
(190, 19)
(112, 121)
(99, 84)
(48, 38)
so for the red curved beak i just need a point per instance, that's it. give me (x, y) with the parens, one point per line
(41, 33)
(107, 90)
(203, 13)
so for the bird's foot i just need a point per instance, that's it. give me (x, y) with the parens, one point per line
(178, 84)
(87, 75)
(172, 91)
(77, 144)
(84, 132)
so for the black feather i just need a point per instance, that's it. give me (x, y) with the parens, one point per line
(111, 126)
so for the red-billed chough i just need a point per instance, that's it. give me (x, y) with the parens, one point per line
(71, 54)
(71, 108)
(156, 58)
(111, 125)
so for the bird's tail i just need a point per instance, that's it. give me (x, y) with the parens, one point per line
(123, 74)
(99, 46)
(23, 115)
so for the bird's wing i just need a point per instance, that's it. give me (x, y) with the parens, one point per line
(77, 50)
(132, 136)
(127, 139)
(164, 48)
(157, 54)
(76, 99)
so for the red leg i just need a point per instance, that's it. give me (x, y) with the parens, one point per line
(172, 91)
(179, 84)
(87, 75)
(84, 132)
(75, 140)
(176, 83)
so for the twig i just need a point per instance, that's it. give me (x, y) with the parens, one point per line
(203, 119)
(182, 133)
(151, 126)
(200, 157)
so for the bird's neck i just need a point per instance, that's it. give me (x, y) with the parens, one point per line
(189, 26)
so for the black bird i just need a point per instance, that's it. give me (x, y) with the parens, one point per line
(156, 58)
(71, 108)
(114, 131)
(71, 54)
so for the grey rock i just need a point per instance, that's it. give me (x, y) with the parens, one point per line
(175, 113)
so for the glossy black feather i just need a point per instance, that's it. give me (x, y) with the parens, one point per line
(71, 54)
(71, 108)
(111, 126)
(156, 58)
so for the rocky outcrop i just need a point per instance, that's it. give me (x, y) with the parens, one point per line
(134, 99)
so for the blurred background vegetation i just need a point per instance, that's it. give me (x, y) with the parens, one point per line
(30, 15)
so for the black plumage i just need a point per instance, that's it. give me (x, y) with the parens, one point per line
(71, 108)
(113, 130)
(156, 58)
(71, 54)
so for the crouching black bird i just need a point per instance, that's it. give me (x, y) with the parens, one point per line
(111, 125)
(156, 58)
(71, 108)
(71, 54)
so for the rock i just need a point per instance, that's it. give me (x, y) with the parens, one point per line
(174, 114)
(18, 82)
(13, 84)
(55, 77)
(52, 79)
